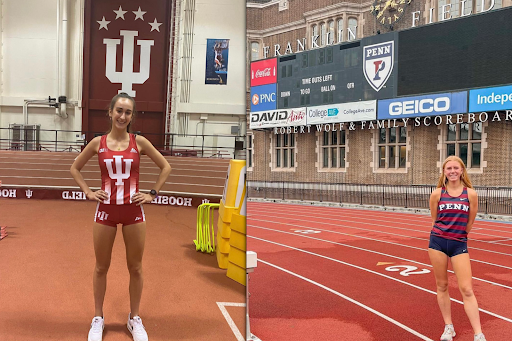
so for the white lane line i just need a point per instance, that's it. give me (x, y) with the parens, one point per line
(376, 252)
(363, 214)
(374, 231)
(376, 273)
(323, 217)
(222, 306)
(385, 317)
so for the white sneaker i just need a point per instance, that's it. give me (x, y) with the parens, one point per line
(449, 333)
(137, 329)
(480, 337)
(96, 332)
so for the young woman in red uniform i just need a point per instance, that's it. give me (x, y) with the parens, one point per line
(119, 202)
(453, 207)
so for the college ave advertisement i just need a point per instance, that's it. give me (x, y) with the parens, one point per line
(344, 112)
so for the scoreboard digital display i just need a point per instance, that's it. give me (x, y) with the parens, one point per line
(457, 54)
(329, 75)
(462, 53)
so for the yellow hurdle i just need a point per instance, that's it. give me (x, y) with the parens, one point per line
(205, 241)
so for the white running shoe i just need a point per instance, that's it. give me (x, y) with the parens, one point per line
(96, 332)
(449, 333)
(137, 329)
(480, 337)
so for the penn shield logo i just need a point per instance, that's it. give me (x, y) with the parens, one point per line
(378, 63)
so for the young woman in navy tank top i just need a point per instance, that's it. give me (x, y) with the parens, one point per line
(119, 202)
(453, 207)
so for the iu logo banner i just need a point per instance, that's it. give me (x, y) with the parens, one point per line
(128, 50)
(378, 63)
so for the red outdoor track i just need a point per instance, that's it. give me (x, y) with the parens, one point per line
(328, 273)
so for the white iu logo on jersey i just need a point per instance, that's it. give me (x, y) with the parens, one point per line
(127, 77)
(119, 175)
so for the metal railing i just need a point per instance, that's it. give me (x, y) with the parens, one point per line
(211, 146)
(491, 200)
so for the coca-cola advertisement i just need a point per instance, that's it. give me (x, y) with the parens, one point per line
(264, 72)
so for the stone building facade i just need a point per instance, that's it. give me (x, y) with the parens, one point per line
(394, 152)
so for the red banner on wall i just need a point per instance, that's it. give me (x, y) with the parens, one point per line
(264, 72)
(126, 49)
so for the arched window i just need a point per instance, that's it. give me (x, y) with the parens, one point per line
(323, 32)
(352, 29)
(255, 50)
(314, 29)
(331, 32)
(340, 30)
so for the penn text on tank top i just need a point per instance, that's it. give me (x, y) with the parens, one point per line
(119, 171)
(452, 216)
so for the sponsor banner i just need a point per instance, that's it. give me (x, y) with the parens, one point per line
(378, 63)
(217, 53)
(343, 112)
(56, 194)
(278, 118)
(264, 97)
(421, 106)
(490, 99)
(264, 72)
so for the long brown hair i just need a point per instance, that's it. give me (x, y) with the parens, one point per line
(113, 102)
(464, 177)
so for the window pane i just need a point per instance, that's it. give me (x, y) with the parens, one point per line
(392, 135)
(450, 149)
(392, 156)
(278, 140)
(464, 131)
(342, 137)
(285, 157)
(249, 141)
(285, 140)
(334, 135)
(382, 136)
(292, 140)
(334, 157)
(326, 138)
(342, 157)
(255, 51)
(403, 135)
(402, 157)
(340, 30)
(278, 158)
(476, 155)
(292, 156)
(451, 133)
(463, 152)
(249, 158)
(326, 157)
(382, 157)
(477, 131)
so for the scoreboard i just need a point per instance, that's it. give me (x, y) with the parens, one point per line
(458, 54)
(328, 75)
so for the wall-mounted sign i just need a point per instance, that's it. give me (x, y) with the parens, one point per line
(420, 106)
(490, 99)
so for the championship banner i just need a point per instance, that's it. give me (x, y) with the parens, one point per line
(278, 118)
(217, 53)
(344, 112)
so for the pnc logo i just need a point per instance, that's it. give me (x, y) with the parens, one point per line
(255, 99)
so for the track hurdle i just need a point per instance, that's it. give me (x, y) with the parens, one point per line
(205, 234)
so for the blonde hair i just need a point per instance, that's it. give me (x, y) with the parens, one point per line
(464, 178)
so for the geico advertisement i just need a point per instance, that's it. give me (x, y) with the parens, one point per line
(420, 106)
(263, 97)
(278, 118)
(344, 112)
